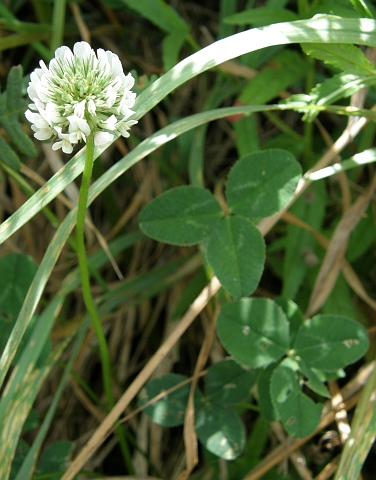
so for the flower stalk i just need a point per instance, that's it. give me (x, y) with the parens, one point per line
(83, 96)
(84, 270)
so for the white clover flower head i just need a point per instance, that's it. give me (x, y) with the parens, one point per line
(78, 94)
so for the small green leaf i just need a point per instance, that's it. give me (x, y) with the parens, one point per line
(17, 273)
(55, 459)
(254, 331)
(331, 90)
(169, 411)
(264, 395)
(345, 57)
(294, 66)
(18, 136)
(181, 216)
(31, 422)
(299, 414)
(330, 342)
(171, 46)
(261, 16)
(262, 183)
(236, 253)
(220, 430)
(314, 382)
(9, 156)
(14, 90)
(293, 315)
(20, 454)
(228, 383)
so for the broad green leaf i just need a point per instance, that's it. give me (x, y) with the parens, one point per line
(362, 238)
(262, 183)
(17, 135)
(299, 414)
(347, 58)
(31, 422)
(293, 315)
(169, 411)
(330, 342)
(341, 300)
(20, 453)
(17, 272)
(294, 67)
(246, 135)
(12, 106)
(15, 102)
(261, 16)
(55, 459)
(228, 383)
(300, 254)
(264, 395)
(181, 216)
(254, 331)
(171, 46)
(8, 156)
(236, 253)
(157, 12)
(220, 430)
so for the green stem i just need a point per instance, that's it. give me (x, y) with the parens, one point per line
(84, 270)
(86, 293)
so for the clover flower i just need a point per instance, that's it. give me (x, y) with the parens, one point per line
(80, 93)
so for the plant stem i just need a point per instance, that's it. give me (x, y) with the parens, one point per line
(86, 293)
(84, 270)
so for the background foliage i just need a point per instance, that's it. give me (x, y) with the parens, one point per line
(231, 176)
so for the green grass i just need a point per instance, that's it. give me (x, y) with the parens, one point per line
(187, 134)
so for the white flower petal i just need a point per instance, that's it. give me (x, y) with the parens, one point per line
(110, 123)
(79, 109)
(44, 134)
(78, 125)
(91, 107)
(83, 51)
(103, 138)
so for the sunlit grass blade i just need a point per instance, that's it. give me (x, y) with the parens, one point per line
(28, 465)
(363, 433)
